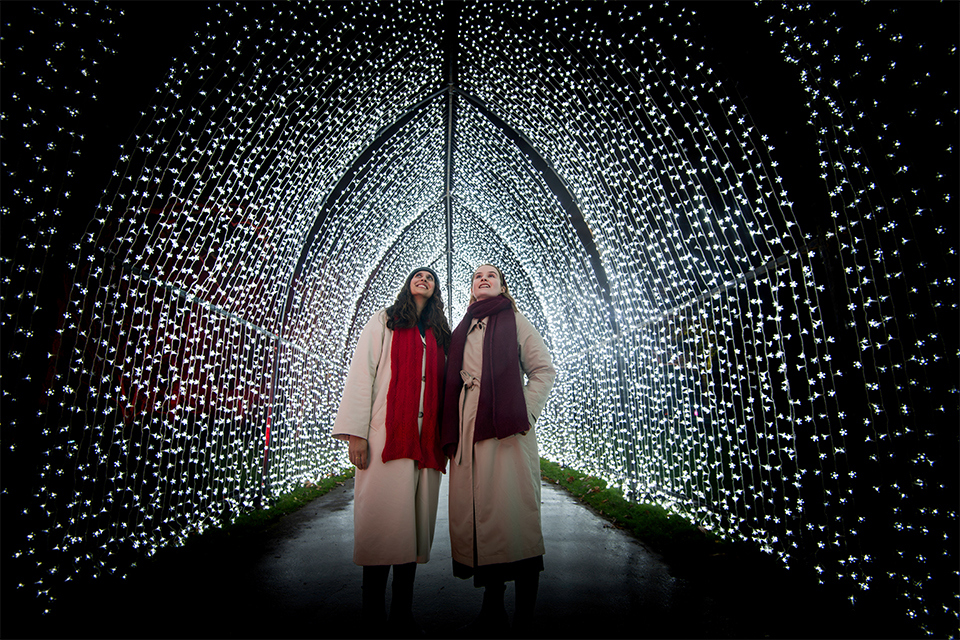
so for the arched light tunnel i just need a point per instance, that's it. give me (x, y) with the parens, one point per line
(734, 225)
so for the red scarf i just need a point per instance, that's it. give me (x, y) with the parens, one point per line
(403, 400)
(502, 408)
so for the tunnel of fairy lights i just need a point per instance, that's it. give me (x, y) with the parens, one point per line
(752, 328)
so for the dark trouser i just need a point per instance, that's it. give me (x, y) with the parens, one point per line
(524, 573)
(527, 587)
(374, 592)
(375, 588)
(499, 573)
(401, 607)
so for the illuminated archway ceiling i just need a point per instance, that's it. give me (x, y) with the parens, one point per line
(325, 165)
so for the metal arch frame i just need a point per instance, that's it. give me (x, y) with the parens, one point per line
(559, 188)
(382, 136)
(551, 177)
(380, 263)
(507, 247)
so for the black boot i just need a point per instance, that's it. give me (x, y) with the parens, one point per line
(401, 622)
(527, 587)
(374, 592)
(492, 621)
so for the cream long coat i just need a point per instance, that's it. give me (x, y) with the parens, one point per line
(395, 504)
(495, 484)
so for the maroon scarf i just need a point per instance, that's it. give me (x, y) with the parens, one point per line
(502, 409)
(403, 400)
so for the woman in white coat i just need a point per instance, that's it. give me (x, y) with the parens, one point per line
(390, 415)
(489, 434)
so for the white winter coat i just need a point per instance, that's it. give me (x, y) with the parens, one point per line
(395, 504)
(495, 484)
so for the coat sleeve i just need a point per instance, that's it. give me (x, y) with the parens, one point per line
(356, 405)
(535, 361)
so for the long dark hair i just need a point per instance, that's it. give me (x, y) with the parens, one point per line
(402, 314)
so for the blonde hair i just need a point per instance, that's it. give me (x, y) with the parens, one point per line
(503, 281)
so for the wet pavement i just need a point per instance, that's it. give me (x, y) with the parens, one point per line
(297, 580)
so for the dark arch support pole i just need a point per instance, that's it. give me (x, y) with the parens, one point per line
(378, 141)
(451, 29)
(451, 91)
(383, 260)
(448, 185)
(572, 207)
(559, 188)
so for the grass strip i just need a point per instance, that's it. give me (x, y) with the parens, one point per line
(286, 504)
(669, 534)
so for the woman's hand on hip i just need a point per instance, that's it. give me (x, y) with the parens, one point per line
(358, 452)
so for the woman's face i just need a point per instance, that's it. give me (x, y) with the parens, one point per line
(422, 285)
(486, 282)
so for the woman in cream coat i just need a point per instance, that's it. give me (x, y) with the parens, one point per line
(495, 530)
(389, 414)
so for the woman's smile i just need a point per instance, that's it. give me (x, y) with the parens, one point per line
(485, 283)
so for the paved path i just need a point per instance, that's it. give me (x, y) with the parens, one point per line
(298, 580)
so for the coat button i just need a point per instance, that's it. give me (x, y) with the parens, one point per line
(423, 378)
(421, 414)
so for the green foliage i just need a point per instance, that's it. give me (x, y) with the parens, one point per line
(287, 503)
(670, 534)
